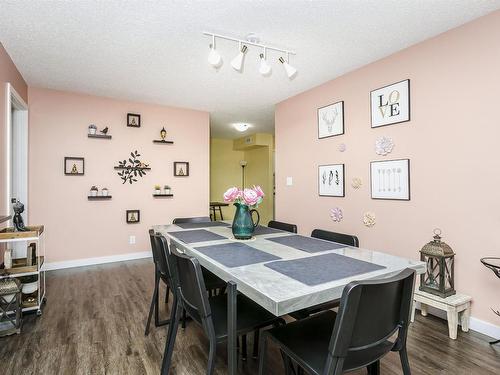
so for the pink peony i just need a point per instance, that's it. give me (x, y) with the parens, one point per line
(232, 194)
(258, 190)
(250, 197)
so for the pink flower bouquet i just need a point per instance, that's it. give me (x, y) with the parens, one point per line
(251, 197)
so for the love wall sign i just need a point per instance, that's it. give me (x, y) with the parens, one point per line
(390, 104)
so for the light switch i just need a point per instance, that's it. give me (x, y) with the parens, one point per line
(289, 181)
(131, 240)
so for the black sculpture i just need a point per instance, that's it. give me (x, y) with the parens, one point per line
(18, 219)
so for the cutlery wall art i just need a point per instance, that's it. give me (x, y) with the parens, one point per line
(331, 120)
(390, 179)
(331, 180)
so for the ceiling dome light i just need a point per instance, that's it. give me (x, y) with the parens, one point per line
(291, 72)
(241, 126)
(237, 62)
(265, 68)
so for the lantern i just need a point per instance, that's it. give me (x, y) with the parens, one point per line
(439, 275)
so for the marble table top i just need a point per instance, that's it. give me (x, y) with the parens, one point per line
(274, 291)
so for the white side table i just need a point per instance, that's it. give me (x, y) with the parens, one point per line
(456, 307)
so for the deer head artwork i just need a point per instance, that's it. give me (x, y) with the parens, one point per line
(329, 118)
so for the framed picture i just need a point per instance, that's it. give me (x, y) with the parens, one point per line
(390, 104)
(331, 120)
(331, 180)
(390, 179)
(74, 166)
(133, 120)
(133, 216)
(181, 168)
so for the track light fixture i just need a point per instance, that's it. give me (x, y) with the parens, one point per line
(237, 62)
(215, 59)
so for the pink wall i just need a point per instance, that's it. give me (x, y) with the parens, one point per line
(8, 74)
(78, 228)
(452, 142)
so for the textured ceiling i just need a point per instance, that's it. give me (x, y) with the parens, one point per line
(154, 51)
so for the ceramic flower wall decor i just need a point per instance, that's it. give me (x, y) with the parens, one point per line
(336, 214)
(342, 147)
(384, 145)
(369, 219)
(356, 183)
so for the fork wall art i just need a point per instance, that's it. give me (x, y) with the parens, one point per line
(390, 179)
(331, 120)
(331, 180)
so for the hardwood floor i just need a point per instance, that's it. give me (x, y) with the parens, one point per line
(94, 321)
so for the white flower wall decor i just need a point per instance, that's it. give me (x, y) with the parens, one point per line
(384, 145)
(369, 219)
(342, 147)
(336, 214)
(356, 183)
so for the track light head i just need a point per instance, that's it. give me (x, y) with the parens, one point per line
(291, 72)
(237, 62)
(265, 68)
(214, 58)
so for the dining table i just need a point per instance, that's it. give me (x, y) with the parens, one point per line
(281, 271)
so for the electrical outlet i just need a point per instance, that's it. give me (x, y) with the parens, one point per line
(131, 240)
(289, 181)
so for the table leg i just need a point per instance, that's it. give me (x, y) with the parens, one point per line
(464, 319)
(231, 327)
(423, 309)
(412, 318)
(220, 212)
(452, 317)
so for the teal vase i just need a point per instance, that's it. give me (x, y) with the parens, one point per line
(243, 224)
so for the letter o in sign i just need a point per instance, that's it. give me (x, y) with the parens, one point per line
(394, 97)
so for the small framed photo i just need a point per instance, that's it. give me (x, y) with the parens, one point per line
(181, 168)
(74, 166)
(133, 120)
(331, 180)
(390, 179)
(133, 216)
(390, 104)
(331, 120)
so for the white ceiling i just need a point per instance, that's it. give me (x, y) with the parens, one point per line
(154, 51)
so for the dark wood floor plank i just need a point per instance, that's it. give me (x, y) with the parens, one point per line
(94, 322)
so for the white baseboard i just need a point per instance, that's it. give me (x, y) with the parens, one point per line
(475, 324)
(50, 266)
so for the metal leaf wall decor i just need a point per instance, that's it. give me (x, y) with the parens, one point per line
(132, 168)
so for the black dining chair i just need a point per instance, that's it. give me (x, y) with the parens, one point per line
(372, 320)
(161, 274)
(209, 313)
(345, 239)
(282, 226)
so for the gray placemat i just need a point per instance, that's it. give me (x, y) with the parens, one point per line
(324, 268)
(205, 224)
(198, 235)
(265, 230)
(236, 254)
(307, 244)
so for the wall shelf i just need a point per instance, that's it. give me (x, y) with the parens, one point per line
(5, 218)
(102, 136)
(162, 195)
(136, 168)
(163, 142)
(99, 197)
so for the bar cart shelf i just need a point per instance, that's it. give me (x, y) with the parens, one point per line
(36, 235)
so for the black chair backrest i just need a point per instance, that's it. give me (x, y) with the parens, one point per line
(282, 226)
(370, 313)
(159, 255)
(199, 219)
(345, 239)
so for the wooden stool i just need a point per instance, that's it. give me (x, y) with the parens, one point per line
(456, 307)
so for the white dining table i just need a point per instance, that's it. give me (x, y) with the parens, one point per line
(278, 292)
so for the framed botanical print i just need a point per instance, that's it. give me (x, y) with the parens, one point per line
(331, 180)
(390, 104)
(133, 216)
(74, 166)
(181, 168)
(390, 179)
(331, 120)
(133, 120)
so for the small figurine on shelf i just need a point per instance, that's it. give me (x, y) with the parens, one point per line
(157, 189)
(167, 189)
(92, 129)
(163, 133)
(93, 191)
(105, 130)
(105, 192)
(18, 219)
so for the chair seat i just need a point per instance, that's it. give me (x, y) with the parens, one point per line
(212, 281)
(308, 339)
(250, 316)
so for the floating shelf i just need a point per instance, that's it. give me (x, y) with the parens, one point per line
(163, 195)
(99, 197)
(4, 218)
(163, 141)
(102, 136)
(136, 168)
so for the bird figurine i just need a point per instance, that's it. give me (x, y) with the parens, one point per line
(105, 130)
